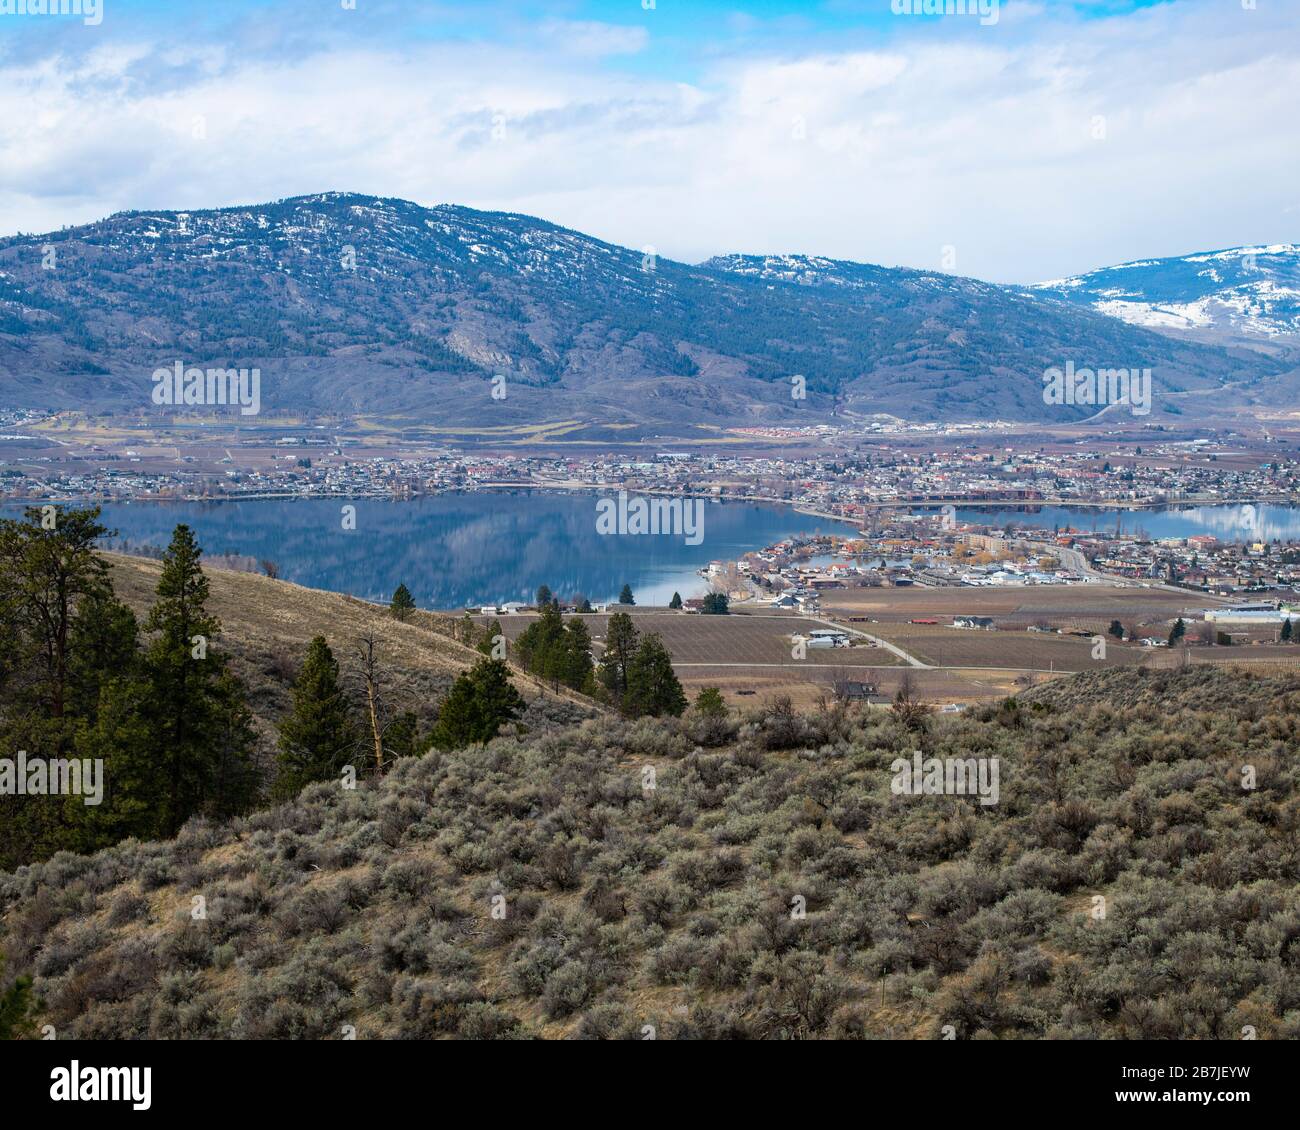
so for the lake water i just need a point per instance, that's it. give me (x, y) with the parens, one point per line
(453, 550)
(1250, 522)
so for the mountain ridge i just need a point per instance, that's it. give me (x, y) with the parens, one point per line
(362, 306)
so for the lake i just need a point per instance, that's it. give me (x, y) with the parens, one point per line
(1247, 522)
(459, 549)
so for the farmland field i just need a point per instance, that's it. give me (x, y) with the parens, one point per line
(727, 641)
(1085, 607)
(957, 647)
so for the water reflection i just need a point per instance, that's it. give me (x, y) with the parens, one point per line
(454, 550)
(1232, 523)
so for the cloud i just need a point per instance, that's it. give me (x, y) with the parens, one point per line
(1038, 148)
(593, 39)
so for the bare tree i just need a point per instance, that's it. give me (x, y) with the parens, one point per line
(368, 668)
(391, 731)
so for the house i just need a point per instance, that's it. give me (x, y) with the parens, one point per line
(856, 692)
(837, 638)
(985, 622)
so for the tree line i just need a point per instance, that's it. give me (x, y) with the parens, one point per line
(82, 678)
(156, 703)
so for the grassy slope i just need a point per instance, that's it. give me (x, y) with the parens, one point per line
(267, 624)
(672, 907)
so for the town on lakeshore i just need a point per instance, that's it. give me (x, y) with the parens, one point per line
(963, 559)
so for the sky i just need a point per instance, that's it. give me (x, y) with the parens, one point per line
(1035, 140)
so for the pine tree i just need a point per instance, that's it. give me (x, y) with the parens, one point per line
(402, 604)
(1177, 631)
(709, 703)
(480, 701)
(716, 603)
(1116, 629)
(625, 597)
(543, 596)
(578, 667)
(676, 601)
(621, 639)
(652, 686)
(539, 649)
(1287, 630)
(50, 579)
(318, 736)
(48, 566)
(16, 1007)
(191, 709)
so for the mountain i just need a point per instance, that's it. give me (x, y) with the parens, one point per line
(1245, 294)
(357, 306)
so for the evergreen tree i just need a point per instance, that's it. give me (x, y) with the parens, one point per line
(48, 567)
(318, 736)
(16, 1008)
(621, 639)
(585, 606)
(578, 667)
(1116, 629)
(1287, 630)
(652, 686)
(543, 596)
(105, 645)
(480, 701)
(540, 646)
(716, 603)
(1177, 631)
(402, 604)
(625, 597)
(53, 587)
(676, 601)
(709, 703)
(402, 737)
(192, 710)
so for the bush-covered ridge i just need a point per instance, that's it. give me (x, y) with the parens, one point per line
(671, 907)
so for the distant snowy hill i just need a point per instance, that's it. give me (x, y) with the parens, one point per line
(1242, 293)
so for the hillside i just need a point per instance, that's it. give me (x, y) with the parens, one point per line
(1249, 295)
(1125, 885)
(357, 306)
(267, 625)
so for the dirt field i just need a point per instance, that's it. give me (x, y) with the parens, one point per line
(1085, 607)
(720, 641)
(805, 689)
(957, 647)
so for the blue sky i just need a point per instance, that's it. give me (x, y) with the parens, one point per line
(1063, 135)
